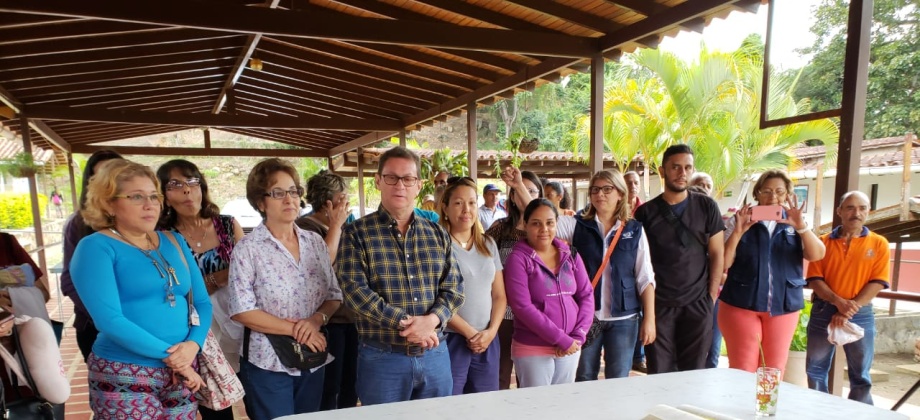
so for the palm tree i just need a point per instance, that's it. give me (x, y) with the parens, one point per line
(713, 105)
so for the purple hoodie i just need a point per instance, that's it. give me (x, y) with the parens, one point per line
(549, 309)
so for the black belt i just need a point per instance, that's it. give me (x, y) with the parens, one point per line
(411, 350)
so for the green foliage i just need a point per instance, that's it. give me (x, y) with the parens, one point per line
(800, 337)
(893, 102)
(16, 210)
(20, 165)
(311, 166)
(441, 160)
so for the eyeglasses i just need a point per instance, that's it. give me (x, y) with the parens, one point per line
(607, 189)
(141, 199)
(175, 184)
(777, 193)
(278, 193)
(407, 181)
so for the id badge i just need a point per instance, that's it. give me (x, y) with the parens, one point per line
(193, 319)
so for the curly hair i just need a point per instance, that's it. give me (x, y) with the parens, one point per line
(105, 185)
(188, 170)
(323, 187)
(263, 175)
(479, 238)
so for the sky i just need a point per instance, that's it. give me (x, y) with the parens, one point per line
(727, 34)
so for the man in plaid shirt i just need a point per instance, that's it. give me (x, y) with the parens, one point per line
(399, 274)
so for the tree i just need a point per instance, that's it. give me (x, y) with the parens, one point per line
(893, 99)
(713, 105)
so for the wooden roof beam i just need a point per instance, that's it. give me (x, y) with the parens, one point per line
(366, 139)
(644, 7)
(116, 41)
(175, 70)
(344, 101)
(252, 41)
(105, 87)
(195, 151)
(48, 112)
(485, 15)
(39, 126)
(578, 17)
(312, 24)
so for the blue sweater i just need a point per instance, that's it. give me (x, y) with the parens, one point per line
(126, 298)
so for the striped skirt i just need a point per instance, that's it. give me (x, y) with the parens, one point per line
(127, 391)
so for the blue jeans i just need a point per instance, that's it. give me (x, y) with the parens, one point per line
(859, 354)
(618, 339)
(386, 376)
(473, 372)
(275, 394)
(716, 349)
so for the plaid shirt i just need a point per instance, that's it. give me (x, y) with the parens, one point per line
(386, 276)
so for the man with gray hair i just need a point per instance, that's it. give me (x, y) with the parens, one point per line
(854, 269)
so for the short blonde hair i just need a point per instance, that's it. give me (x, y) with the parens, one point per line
(105, 185)
(623, 210)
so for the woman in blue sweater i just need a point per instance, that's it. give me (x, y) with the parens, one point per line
(134, 281)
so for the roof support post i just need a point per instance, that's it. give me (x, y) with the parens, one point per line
(596, 145)
(853, 103)
(472, 154)
(852, 125)
(33, 196)
(73, 183)
(402, 137)
(360, 153)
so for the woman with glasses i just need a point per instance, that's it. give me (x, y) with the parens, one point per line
(762, 295)
(471, 333)
(135, 281)
(550, 294)
(76, 229)
(626, 285)
(281, 282)
(188, 210)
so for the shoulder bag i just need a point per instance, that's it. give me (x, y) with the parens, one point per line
(222, 388)
(595, 330)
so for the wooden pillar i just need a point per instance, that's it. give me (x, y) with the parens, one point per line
(895, 276)
(402, 137)
(596, 145)
(853, 102)
(361, 181)
(33, 196)
(819, 188)
(905, 176)
(207, 138)
(575, 205)
(472, 154)
(852, 126)
(73, 183)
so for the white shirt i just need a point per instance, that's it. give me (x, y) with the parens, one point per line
(488, 216)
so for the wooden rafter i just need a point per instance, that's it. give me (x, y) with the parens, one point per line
(313, 24)
(194, 151)
(578, 17)
(39, 126)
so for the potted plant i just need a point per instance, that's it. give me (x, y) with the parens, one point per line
(795, 365)
(21, 165)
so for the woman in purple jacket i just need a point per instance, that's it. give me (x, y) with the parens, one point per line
(549, 291)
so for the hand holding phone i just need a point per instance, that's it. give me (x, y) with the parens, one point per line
(759, 213)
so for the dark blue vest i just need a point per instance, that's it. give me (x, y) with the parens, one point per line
(759, 255)
(588, 241)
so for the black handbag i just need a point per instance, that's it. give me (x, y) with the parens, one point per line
(291, 353)
(27, 408)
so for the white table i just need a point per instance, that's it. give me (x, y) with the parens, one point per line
(727, 391)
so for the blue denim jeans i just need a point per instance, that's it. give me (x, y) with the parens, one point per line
(715, 350)
(386, 376)
(859, 354)
(618, 340)
(276, 394)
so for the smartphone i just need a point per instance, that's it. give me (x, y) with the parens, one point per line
(759, 213)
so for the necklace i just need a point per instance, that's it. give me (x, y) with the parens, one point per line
(462, 243)
(166, 272)
(198, 242)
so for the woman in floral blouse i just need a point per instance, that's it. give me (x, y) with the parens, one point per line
(281, 282)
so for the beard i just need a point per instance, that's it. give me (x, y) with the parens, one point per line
(672, 187)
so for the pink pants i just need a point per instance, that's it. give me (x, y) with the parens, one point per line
(743, 329)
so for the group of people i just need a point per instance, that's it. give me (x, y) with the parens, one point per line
(414, 305)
